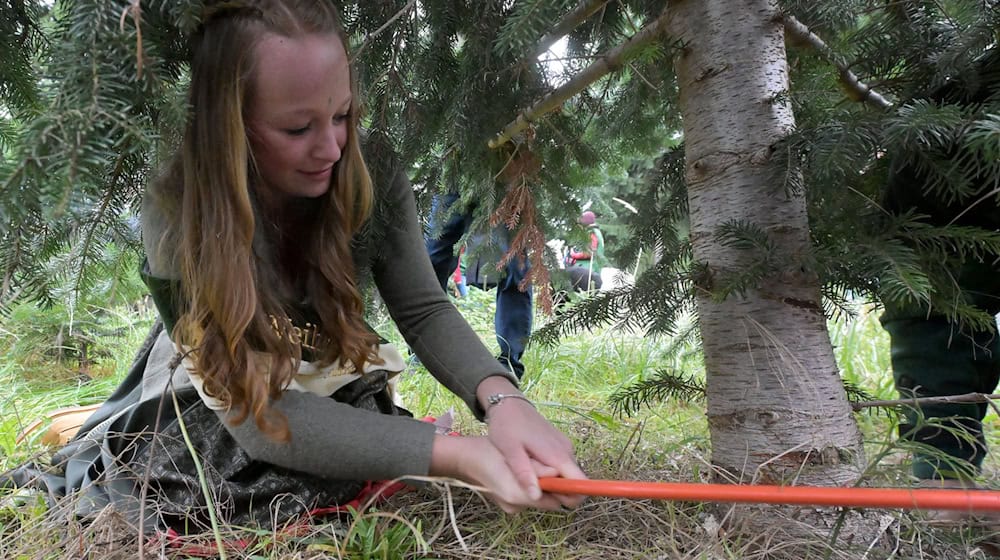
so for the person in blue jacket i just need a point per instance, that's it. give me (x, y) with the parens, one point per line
(513, 315)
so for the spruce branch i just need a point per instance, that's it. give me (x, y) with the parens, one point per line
(946, 399)
(605, 64)
(12, 265)
(26, 20)
(371, 36)
(856, 394)
(94, 224)
(594, 310)
(837, 303)
(567, 24)
(856, 89)
(654, 305)
(665, 384)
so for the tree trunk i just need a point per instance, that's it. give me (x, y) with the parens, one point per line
(777, 410)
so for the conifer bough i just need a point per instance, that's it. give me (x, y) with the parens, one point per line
(604, 65)
(901, 498)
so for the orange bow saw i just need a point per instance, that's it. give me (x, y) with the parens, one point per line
(905, 498)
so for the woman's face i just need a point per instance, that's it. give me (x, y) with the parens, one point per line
(298, 113)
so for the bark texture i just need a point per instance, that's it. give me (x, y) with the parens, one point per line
(776, 406)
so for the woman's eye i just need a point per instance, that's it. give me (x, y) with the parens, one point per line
(297, 131)
(340, 118)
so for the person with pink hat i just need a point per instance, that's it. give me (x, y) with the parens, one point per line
(584, 265)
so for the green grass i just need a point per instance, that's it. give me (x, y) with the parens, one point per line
(861, 347)
(571, 383)
(34, 381)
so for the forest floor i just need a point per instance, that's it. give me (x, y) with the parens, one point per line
(572, 383)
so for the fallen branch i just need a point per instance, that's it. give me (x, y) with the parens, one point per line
(947, 399)
(857, 90)
(604, 65)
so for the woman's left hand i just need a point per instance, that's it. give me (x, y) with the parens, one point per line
(530, 444)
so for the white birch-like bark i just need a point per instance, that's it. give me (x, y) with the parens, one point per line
(777, 409)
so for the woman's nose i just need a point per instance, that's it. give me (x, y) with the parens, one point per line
(327, 147)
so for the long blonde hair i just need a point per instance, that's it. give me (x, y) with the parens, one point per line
(208, 194)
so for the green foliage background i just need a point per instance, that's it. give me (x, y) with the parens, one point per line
(92, 98)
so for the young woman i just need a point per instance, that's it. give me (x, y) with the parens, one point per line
(261, 235)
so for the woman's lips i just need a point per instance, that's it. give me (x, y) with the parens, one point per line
(323, 174)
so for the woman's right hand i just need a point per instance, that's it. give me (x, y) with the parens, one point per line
(477, 461)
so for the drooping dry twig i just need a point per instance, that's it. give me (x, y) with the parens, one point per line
(135, 10)
(518, 211)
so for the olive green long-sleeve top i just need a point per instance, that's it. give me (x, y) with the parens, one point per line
(332, 439)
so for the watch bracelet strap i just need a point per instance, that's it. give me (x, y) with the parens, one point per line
(497, 398)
